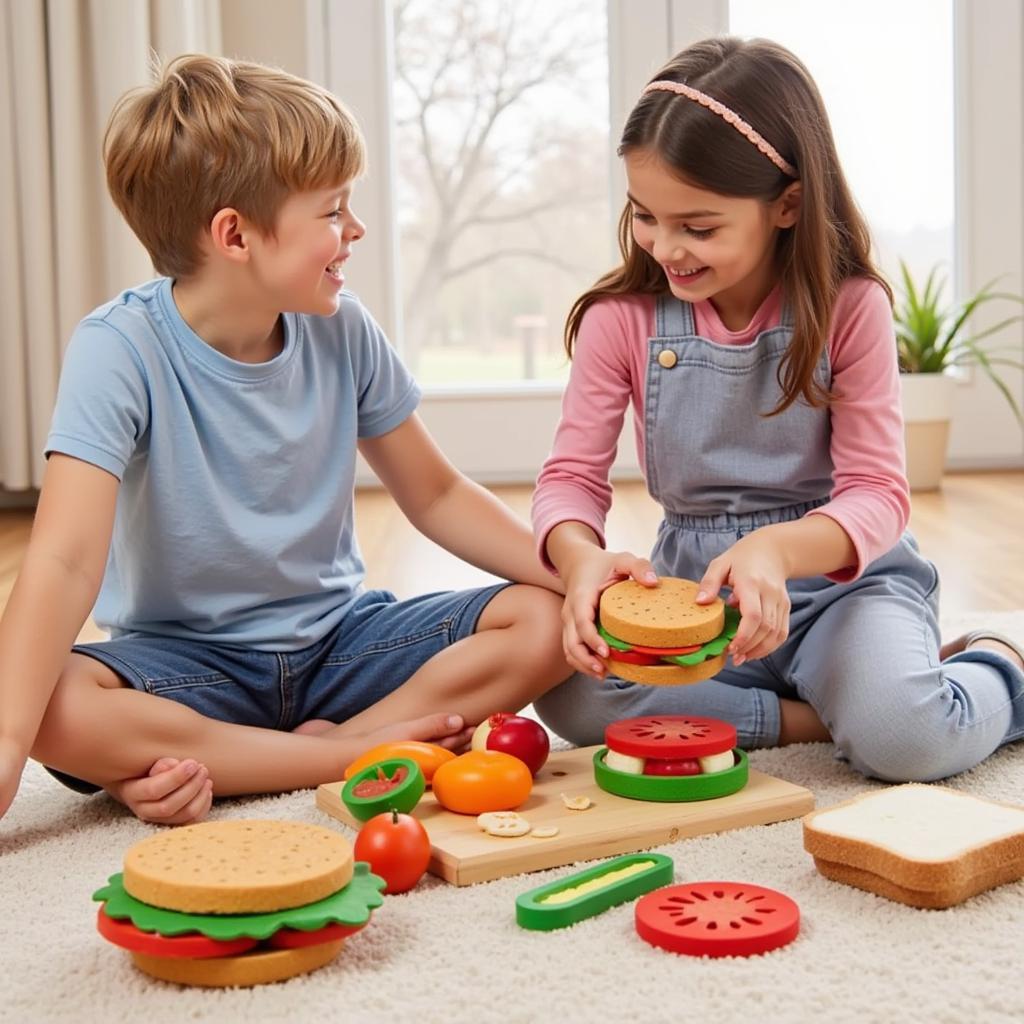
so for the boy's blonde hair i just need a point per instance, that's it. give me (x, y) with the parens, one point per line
(212, 133)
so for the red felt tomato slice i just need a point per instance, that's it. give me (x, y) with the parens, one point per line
(295, 938)
(635, 658)
(670, 736)
(662, 651)
(717, 919)
(192, 946)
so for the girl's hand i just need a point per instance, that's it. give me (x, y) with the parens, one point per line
(173, 793)
(755, 570)
(586, 579)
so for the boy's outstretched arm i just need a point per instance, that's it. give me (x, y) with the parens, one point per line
(54, 593)
(446, 506)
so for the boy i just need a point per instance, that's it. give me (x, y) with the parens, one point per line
(200, 481)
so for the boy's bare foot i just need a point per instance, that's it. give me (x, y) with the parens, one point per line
(799, 723)
(987, 641)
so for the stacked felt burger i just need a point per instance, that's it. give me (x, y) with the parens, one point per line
(661, 636)
(237, 902)
(670, 758)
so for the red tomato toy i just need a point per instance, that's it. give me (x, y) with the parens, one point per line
(677, 766)
(513, 734)
(482, 780)
(397, 847)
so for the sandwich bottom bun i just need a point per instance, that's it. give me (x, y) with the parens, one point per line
(667, 675)
(243, 971)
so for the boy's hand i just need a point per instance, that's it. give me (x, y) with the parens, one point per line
(587, 577)
(173, 793)
(755, 569)
(12, 764)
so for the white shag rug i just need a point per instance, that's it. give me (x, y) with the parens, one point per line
(447, 954)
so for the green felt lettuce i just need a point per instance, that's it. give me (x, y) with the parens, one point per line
(348, 906)
(711, 649)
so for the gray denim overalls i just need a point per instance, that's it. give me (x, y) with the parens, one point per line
(863, 654)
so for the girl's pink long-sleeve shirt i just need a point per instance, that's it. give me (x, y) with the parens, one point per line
(869, 498)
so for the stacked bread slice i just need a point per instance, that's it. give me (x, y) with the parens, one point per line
(926, 846)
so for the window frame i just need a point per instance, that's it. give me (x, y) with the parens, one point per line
(988, 224)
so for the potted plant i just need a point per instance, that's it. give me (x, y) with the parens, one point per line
(932, 338)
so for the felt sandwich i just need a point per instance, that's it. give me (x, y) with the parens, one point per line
(661, 636)
(926, 846)
(670, 758)
(237, 902)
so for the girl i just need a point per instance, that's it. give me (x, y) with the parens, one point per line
(753, 334)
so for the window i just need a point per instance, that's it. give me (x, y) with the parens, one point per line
(502, 176)
(885, 71)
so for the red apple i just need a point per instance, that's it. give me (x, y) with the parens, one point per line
(515, 735)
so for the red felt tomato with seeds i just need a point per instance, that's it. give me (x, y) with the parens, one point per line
(634, 658)
(670, 736)
(677, 767)
(296, 938)
(717, 919)
(397, 847)
(193, 946)
(663, 651)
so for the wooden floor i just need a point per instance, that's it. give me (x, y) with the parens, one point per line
(973, 529)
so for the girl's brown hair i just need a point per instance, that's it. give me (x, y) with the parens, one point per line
(212, 133)
(772, 90)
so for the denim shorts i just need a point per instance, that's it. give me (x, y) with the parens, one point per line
(378, 645)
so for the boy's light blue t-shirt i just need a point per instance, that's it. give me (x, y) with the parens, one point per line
(235, 519)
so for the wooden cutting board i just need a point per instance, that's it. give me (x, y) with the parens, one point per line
(462, 854)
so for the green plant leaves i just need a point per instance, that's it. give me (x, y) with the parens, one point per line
(930, 334)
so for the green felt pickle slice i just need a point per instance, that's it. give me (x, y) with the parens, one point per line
(350, 906)
(533, 913)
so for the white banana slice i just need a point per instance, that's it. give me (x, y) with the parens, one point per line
(717, 762)
(575, 803)
(503, 823)
(624, 763)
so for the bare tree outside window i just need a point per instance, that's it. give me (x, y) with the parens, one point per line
(503, 185)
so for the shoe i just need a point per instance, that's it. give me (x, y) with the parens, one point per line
(963, 643)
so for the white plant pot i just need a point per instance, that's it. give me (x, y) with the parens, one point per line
(927, 412)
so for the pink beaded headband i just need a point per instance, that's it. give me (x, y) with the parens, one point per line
(663, 85)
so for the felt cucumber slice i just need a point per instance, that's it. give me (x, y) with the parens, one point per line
(671, 788)
(351, 905)
(533, 912)
(402, 797)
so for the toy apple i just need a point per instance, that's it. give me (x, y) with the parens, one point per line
(515, 735)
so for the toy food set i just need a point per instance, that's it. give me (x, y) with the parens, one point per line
(661, 636)
(396, 847)
(926, 846)
(241, 902)
(590, 892)
(670, 758)
(563, 816)
(717, 919)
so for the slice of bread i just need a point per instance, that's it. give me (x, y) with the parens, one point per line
(666, 675)
(238, 867)
(663, 616)
(926, 846)
(239, 971)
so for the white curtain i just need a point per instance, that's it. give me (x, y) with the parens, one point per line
(63, 246)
